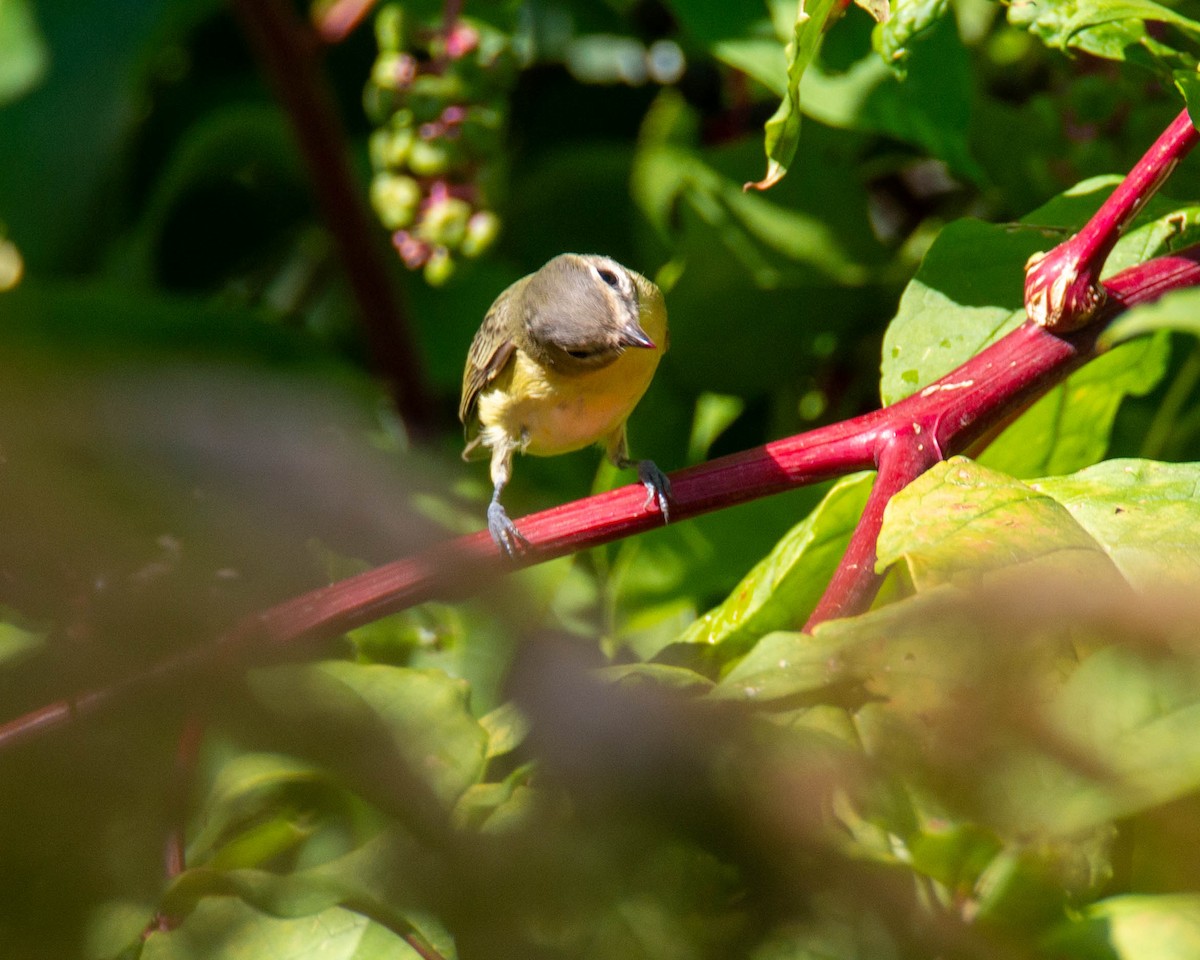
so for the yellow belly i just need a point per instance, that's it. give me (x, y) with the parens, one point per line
(549, 414)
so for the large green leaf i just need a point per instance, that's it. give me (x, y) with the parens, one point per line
(782, 590)
(225, 927)
(961, 520)
(1176, 310)
(423, 711)
(1145, 515)
(1132, 927)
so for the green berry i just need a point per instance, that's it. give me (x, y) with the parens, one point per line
(482, 228)
(439, 267)
(389, 147)
(395, 199)
(429, 158)
(445, 222)
(389, 28)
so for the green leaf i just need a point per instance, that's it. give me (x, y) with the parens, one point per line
(961, 520)
(679, 679)
(227, 928)
(23, 53)
(783, 666)
(506, 728)
(17, 643)
(424, 712)
(1133, 715)
(908, 21)
(1060, 24)
(1145, 515)
(1132, 927)
(376, 878)
(782, 131)
(930, 108)
(247, 789)
(782, 590)
(1176, 310)
(715, 412)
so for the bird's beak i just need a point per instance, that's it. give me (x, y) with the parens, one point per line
(634, 336)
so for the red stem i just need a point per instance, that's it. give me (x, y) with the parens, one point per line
(941, 420)
(288, 51)
(1062, 287)
(337, 21)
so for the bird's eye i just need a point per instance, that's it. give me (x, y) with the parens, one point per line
(580, 354)
(609, 277)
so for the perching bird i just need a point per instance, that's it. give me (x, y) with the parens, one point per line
(560, 361)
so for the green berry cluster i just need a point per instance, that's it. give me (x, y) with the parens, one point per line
(438, 96)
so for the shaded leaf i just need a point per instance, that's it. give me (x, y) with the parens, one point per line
(908, 21)
(424, 712)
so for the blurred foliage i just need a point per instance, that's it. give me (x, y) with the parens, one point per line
(633, 752)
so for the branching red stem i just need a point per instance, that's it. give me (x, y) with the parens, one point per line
(288, 50)
(1062, 287)
(941, 420)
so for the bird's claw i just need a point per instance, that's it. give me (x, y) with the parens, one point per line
(658, 487)
(505, 535)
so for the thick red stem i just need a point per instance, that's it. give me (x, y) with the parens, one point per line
(1062, 287)
(941, 420)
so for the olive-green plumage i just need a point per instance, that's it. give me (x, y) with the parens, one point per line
(560, 361)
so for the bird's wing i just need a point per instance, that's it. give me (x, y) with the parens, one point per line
(490, 352)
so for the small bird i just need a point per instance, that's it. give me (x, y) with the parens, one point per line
(560, 361)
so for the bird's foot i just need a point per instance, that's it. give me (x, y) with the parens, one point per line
(658, 487)
(505, 534)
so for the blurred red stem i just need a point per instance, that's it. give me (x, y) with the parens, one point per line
(902, 440)
(1062, 287)
(337, 21)
(288, 51)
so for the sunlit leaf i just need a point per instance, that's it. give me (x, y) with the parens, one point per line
(960, 520)
(1133, 927)
(1144, 514)
(782, 131)
(782, 590)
